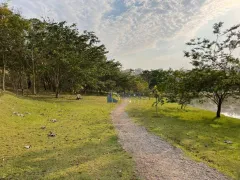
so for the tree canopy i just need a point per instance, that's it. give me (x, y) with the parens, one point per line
(54, 56)
(215, 66)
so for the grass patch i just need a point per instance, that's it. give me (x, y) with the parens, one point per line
(195, 131)
(85, 145)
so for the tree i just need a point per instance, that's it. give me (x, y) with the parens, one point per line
(12, 32)
(59, 43)
(5, 14)
(216, 68)
(158, 98)
(180, 87)
(139, 85)
(34, 43)
(146, 76)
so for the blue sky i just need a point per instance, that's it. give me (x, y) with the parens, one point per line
(148, 34)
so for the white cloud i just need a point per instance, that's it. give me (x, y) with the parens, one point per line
(148, 21)
(86, 13)
(211, 9)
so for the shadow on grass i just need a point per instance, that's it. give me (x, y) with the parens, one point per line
(87, 161)
(47, 98)
(61, 99)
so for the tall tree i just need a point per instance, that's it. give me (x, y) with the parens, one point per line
(12, 32)
(5, 38)
(34, 42)
(59, 47)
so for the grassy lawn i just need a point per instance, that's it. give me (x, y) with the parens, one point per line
(195, 131)
(85, 145)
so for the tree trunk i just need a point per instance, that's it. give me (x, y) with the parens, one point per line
(3, 74)
(57, 92)
(85, 90)
(157, 106)
(219, 108)
(182, 106)
(57, 88)
(57, 80)
(34, 75)
(22, 82)
(44, 85)
(4, 77)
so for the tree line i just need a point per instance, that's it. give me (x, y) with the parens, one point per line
(54, 56)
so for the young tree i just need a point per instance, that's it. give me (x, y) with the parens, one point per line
(158, 98)
(216, 68)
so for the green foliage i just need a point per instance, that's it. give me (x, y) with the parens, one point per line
(54, 56)
(174, 85)
(158, 98)
(139, 85)
(216, 68)
(216, 72)
(179, 86)
(195, 131)
(155, 77)
(12, 32)
(85, 146)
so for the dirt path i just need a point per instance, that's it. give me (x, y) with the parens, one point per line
(156, 159)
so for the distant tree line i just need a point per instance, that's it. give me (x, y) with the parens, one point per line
(38, 55)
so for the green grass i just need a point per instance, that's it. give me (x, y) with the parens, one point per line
(85, 146)
(196, 131)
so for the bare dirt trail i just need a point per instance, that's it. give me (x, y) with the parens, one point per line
(156, 159)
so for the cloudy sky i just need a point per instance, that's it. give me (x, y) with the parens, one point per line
(148, 34)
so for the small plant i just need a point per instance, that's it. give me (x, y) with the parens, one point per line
(158, 98)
